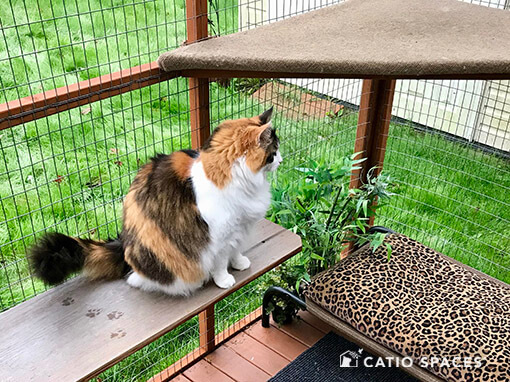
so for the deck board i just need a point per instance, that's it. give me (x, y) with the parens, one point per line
(67, 324)
(317, 323)
(277, 340)
(181, 378)
(235, 366)
(258, 354)
(205, 372)
(301, 331)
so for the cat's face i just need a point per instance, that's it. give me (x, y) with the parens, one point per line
(268, 141)
(273, 156)
(253, 140)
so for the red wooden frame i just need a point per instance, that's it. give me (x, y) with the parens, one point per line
(372, 130)
(197, 29)
(54, 101)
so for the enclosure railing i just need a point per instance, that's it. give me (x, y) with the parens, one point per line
(54, 101)
(372, 127)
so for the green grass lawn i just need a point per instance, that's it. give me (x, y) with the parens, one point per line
(69, 172)
(59, 43)
(450, 197)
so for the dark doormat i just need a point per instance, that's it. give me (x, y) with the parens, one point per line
(335, 359)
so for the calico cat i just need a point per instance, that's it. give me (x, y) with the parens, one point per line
(185, 216)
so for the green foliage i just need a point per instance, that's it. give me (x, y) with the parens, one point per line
(248, 85)
(327, 215)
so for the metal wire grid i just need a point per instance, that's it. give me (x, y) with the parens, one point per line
(48, 44)
(257, 12)
(451, 194)
(134, 139)
(69, 171)
(151, 362)
(453, 171)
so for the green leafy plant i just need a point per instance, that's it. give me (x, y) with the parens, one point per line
(249, 85)
(328, 215)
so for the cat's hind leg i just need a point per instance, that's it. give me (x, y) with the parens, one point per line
(176, 288)
(138, 281)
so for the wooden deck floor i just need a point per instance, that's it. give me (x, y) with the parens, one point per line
(256, 353)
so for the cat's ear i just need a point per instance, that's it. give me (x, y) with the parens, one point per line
(264, 136)
(265, 117)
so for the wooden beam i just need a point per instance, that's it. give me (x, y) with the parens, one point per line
(54, 101)
(196, 23)
(206, 329)
(199, 111)
(220, 73)
(196, 20)
(373, 127)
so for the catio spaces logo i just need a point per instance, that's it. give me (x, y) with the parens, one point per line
(354, 359)
(350, 358)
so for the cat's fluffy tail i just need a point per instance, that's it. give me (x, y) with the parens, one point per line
(56, 256)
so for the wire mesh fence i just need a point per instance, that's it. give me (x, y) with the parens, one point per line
(447, 151)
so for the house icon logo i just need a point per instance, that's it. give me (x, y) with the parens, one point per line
(350, 358)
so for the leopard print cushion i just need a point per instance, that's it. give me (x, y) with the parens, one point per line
(421, 304)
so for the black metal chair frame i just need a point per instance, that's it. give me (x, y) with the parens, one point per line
(282, 293)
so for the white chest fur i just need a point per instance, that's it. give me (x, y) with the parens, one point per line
(230, 212)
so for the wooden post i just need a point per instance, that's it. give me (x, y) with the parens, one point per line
(373, 127)
(54, 101)
(199, 111)
(196, 24)
(372, 132)
(207, 331)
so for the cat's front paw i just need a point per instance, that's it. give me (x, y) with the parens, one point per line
(224, 281)
(240, 262)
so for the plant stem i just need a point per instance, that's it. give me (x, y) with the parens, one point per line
(342, 210)
(328, 222)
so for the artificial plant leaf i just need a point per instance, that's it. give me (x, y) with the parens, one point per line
(389, 249)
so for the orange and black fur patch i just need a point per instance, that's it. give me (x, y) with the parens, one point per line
(233, 139)
(56, 256)
(164, 239)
